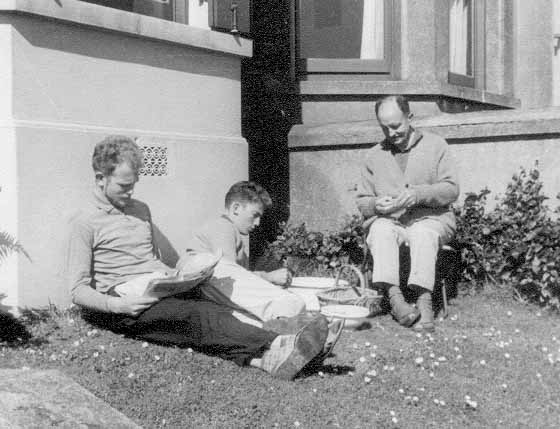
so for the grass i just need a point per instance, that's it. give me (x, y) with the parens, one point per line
(503, 354)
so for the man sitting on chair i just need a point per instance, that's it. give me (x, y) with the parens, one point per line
(408, 183)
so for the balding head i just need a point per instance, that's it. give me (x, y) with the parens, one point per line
(393, 115)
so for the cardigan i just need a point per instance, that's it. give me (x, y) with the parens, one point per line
(429, 170)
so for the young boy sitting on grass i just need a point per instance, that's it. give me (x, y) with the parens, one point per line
(259, 297)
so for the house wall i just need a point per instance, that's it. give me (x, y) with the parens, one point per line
(70, 85)
(534, 53)
(488, 149)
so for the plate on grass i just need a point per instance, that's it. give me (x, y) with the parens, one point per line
(345, 311)
(316, 282)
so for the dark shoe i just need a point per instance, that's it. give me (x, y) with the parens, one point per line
(289, 354)
(424, 305)
(403, 313)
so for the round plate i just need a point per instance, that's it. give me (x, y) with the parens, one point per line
(345, 311)
(316, 282)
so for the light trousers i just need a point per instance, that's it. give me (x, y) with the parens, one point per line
(424, 237)
(254, 299)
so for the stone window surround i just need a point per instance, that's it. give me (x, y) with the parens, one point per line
(133, 24)
(364, 86)
(471, 127)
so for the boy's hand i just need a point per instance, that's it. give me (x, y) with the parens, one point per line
(281, 277)
(130, 305)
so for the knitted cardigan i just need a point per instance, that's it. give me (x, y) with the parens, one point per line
(430, 171)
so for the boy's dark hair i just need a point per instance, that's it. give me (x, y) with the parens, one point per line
(401, 101)
(113, 151)
(248, 192)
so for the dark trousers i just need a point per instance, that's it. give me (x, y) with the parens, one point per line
(193, 321)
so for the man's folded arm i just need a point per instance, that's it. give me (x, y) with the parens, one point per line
(78, 269)
(446, 190)
(365, 196)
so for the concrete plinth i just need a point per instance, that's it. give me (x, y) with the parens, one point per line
(39, 399)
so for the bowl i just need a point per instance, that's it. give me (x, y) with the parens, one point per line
(352, 315)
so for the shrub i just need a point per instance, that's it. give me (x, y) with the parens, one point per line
(517, 243)
(307, 251)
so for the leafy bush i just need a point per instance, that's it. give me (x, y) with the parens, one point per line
(307, 251)
(517, 243)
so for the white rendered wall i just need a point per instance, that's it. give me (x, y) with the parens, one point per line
(556, 53)
(74, 85)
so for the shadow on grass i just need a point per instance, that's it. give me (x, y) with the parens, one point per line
(12, 331)
(325, 369)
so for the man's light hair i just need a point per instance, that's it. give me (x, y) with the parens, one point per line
(247, 192)
(113, 151)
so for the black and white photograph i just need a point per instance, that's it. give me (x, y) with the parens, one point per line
(279, 214)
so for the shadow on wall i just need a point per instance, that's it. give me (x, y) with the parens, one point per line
(316, 195)
(166, 252)
(111, 46)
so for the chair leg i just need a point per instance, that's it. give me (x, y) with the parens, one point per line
(444, 296)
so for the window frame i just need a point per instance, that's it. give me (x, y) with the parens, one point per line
(477, 80)
(348, 65)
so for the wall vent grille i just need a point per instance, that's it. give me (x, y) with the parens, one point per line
(155, 161)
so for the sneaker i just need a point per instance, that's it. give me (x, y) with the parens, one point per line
(288, 354)
(335, 330)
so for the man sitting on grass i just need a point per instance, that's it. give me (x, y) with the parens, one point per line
(260, 295)
(111, 243)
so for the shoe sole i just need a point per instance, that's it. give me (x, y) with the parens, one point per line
(309, 342)
(424, 327)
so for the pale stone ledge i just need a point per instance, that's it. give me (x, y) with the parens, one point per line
(461, 126)
(78, 12)
(384, 87)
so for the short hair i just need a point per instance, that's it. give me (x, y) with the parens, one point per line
(113, 151)
(401, 101)
(247, 192)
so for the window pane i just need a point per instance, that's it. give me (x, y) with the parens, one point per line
(461, 32)
(342, 29)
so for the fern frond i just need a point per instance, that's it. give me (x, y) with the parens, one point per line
(9, 245)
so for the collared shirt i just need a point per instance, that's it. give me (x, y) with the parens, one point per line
(106, 247)
(222, 235)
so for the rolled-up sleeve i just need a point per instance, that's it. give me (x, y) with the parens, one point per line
(79, 266)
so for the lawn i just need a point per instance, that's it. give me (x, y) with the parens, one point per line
(494, 362)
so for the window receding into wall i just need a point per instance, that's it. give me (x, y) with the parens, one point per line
(345, 36)
(466, 42)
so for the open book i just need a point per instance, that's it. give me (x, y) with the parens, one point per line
(197, 268)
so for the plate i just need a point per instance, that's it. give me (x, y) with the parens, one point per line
(345, 311)
(316, 282)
